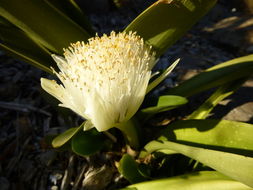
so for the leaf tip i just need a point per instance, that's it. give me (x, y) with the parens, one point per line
(165, 1)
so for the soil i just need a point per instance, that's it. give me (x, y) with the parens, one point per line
(28, 162)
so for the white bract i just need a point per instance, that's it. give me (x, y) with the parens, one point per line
(104, 80)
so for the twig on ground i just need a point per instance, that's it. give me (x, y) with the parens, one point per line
(68, 173)
(22, 107)
(79, 177)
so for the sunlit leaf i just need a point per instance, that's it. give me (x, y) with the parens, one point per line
(215, 76)
(216, 134)
(65, 136)
(236, 166)
(206, 180)
(166, 21)
(165, 103)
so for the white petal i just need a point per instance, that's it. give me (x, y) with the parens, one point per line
(61, 61)
(138, 98)
(68, 99)
(53, 88)
(102, 118)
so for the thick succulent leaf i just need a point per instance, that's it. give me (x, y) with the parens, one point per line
(236, 166)
(42, 23)
(20, 55)
(66, 136)
(129, 169)
(205, 180)
(221, 93)
(5, 23)
(163, 76)
(215, 76)
(17, 43)
(85, 143)
(166, 21)
(165, 103)
(231, 136)
(73, 11)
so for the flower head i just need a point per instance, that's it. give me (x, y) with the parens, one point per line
(104, 80)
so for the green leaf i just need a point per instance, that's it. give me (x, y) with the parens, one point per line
(42, 23)
(205, 180)
(73, 11)
(231, 136)
(22, 55)
(159, 79)
(166, 21)
(5, 23)
(48, 139)
(129, 188)
(233, 165)
(224, 91)
(129, 169)
(18, 44)
(165, 103)
(85, 143)
(66, 136)
(145, 170)
(215, 76)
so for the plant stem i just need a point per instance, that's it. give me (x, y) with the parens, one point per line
(130, 131)
(110, 136)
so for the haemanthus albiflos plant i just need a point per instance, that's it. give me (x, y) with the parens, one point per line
(104, 80)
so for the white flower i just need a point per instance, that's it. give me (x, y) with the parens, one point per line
(105, 80)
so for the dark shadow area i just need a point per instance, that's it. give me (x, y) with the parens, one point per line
(233, 33)
(242, 96)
